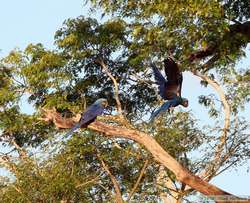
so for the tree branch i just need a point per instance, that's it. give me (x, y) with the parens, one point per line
(22, 152)
(162, 182)
(213, 48)
(106, 70)
(210, 171)
(138, 180)
(118, 195)
(160, 155)
(90, 181)
(242, 28)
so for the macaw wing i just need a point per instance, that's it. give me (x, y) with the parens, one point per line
(180, 84)
(87, 117)
(174, 76)
(160, 81)
(91, 113)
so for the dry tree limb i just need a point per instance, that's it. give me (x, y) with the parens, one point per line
(88, 182)
(210, 171)
(150, 144)
(106, 70)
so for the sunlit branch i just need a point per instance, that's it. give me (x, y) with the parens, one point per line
(223, 138)
(106, 70)
(93, 180)
(150, 144)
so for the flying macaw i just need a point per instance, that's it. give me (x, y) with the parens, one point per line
(90, 114)
(170, 88)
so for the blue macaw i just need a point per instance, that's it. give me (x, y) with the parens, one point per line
(169, 89)
(90, 114)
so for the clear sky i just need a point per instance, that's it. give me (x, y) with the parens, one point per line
(32, 21)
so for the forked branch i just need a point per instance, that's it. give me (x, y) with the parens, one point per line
(150, 144)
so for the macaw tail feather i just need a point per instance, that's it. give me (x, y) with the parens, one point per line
(78, 125)
(163, 108)
(154, 114)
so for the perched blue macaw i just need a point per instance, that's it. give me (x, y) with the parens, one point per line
(90, 114)
(169, 89)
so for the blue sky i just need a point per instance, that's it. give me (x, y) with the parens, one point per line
(29, 21)
(32, 21)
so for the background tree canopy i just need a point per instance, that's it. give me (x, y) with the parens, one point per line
(207, 38)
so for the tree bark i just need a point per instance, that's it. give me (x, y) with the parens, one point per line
(160, 155)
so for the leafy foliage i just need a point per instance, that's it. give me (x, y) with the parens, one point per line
(69, 78)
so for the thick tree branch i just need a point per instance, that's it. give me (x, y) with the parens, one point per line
(212, 49)
(160, 155)
(163, 182)
(174, 191)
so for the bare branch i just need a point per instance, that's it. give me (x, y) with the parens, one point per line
(138, 180)
(106, 70)
(164, 181)
(210, 171)
(22, 152)
(107, 190)
(160, 155)
(90, 181)
(118, 195)
(5, 162)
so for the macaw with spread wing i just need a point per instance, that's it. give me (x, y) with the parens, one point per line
(170, 88)
(89, 116)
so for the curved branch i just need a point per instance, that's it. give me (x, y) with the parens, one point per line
(106, 70)
(160, 155)
(210, 171)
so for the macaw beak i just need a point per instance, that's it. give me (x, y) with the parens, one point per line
(185, 103)
(105, 104)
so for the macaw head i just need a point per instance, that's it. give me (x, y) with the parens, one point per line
(102, 102)
(184, 102)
